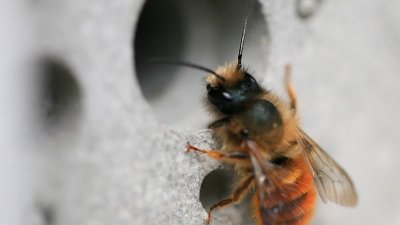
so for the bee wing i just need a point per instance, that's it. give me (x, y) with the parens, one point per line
(260, 165)
(266, 174)
(331, 180)
(267, 177)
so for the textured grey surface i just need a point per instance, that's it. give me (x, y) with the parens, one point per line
(118, 165)
(119, 158)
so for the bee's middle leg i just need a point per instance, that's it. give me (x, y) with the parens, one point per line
(237, 195)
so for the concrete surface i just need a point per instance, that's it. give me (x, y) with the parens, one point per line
(96, 151)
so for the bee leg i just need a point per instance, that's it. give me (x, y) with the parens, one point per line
(256, 209)
(219, 123)
(233, 157)
(237, 195)
(289, 88)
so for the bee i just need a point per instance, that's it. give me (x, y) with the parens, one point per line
(275, 160)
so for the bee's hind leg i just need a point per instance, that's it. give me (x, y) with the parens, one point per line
(289, 88)
(238, 194)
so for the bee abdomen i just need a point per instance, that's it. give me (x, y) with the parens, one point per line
(287, 204)
(295, 212)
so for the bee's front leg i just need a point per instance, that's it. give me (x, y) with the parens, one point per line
(232, 157)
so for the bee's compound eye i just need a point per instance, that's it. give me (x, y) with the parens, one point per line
(219, 94)
(223, 100)
(208, 87)
(227, 95)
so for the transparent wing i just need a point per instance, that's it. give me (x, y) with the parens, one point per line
(270, 190)
(331, 180)
(261, 168)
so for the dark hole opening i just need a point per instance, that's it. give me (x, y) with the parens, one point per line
(159, 34)
(216, 186)
(60, 93)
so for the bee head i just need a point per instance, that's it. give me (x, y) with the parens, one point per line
(231, 86)
(231, 89)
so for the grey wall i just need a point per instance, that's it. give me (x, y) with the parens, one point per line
(81, 144)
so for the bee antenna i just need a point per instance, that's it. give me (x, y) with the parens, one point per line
(239, 63)
(187, 64)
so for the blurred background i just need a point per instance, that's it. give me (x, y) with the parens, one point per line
(70, 71)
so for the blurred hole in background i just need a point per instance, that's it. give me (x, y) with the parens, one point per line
(216, 186)
(205, 32)
(307, 8)
(47, 215)
(60, 95)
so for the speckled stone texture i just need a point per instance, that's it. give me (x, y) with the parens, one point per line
(118, 165)
(111, 160)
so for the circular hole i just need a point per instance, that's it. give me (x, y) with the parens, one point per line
(202, 32)
(60, 94)
(159, 33)
(216, 186)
